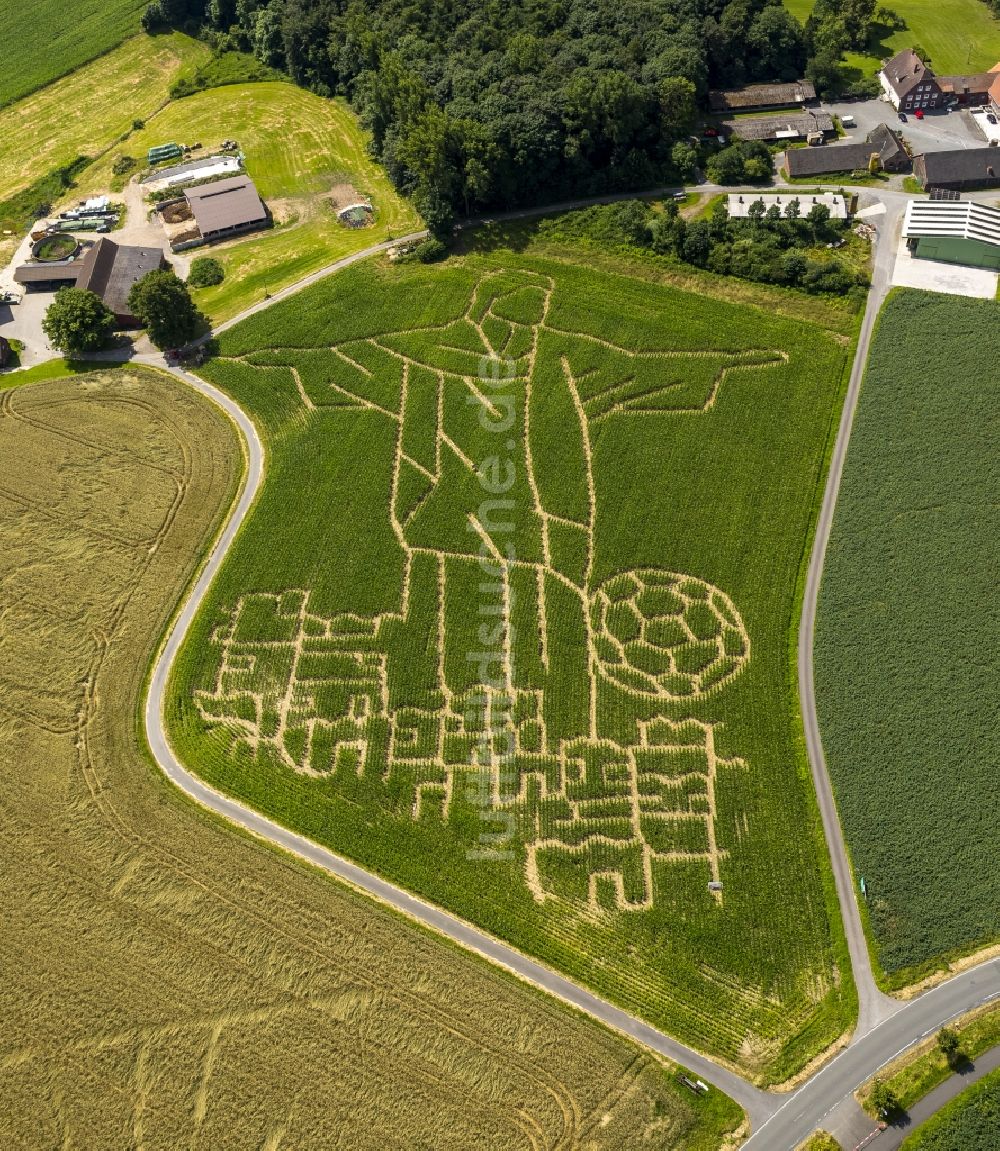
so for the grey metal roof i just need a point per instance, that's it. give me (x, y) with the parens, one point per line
(836, 158)
(230, 203)
(961, 166)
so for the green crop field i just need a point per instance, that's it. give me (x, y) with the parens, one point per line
(513, 624)
(168, 981)
(969, 1123)
(960, 35)
(84, 113)
(907, 640)
(46, 39)
(299, 148)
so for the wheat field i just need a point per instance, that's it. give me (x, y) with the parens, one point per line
(169, 982)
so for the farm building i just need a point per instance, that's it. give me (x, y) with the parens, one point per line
(763, 97)
(738, 203)
(910, 84)
(953, 232)
(108, 269)
(959, 169)
(203, 169)
(974, 89)
(850, 157)
(227, 208)
(776, 128)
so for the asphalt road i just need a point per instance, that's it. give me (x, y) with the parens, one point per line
(933, 1101)
(810, 1106)
(874, 1006)
(758, 1104)
(886, 1027)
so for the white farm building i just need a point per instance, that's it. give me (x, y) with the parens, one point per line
(738, 203)
(954, 232)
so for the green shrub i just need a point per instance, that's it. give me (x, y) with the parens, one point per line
(431, 250)
(123, 165)
(206, 272)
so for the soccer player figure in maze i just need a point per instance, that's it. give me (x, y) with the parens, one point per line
(506, 680)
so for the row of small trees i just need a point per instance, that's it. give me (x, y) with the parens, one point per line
(884, 1100)
(78, 322)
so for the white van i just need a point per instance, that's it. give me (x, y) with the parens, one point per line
(848, 122)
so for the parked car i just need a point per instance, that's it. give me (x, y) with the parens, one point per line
(919, 113)
(711, 132)
(991, 118)
(847, 121)
(902, 116)
(10, 297)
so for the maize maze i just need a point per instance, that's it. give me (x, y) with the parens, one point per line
(429, 650)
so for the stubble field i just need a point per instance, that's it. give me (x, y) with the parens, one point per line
(524, 644)
(169, 982)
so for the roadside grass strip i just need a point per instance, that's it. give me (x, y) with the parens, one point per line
(514, 618)
(969, 1123)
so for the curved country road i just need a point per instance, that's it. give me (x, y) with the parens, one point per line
(886, 1027)
(758, 1104)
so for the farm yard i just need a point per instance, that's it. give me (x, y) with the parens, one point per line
(209, 977)
(299, 149)
(593, 752)
(906, 657)
(54, 41)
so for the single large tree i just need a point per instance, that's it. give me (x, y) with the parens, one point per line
(78, 322)
(163, 304)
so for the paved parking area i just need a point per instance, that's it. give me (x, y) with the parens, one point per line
(937, 132)
(24, 322)
(953, 279)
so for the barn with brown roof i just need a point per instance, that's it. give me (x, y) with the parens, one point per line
(762, 97)
(227, 208)
(108, 270)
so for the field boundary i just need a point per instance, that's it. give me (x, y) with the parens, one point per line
(762, 1106)
(758, 1104)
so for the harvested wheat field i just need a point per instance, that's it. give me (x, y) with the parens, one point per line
(169, 982)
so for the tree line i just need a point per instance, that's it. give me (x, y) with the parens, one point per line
(476, 105)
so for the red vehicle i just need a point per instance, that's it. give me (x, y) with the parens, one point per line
(919, 113)
(711, 132)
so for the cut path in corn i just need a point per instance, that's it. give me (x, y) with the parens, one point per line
(886, 1027)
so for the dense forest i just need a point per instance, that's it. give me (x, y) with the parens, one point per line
(477, 104)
